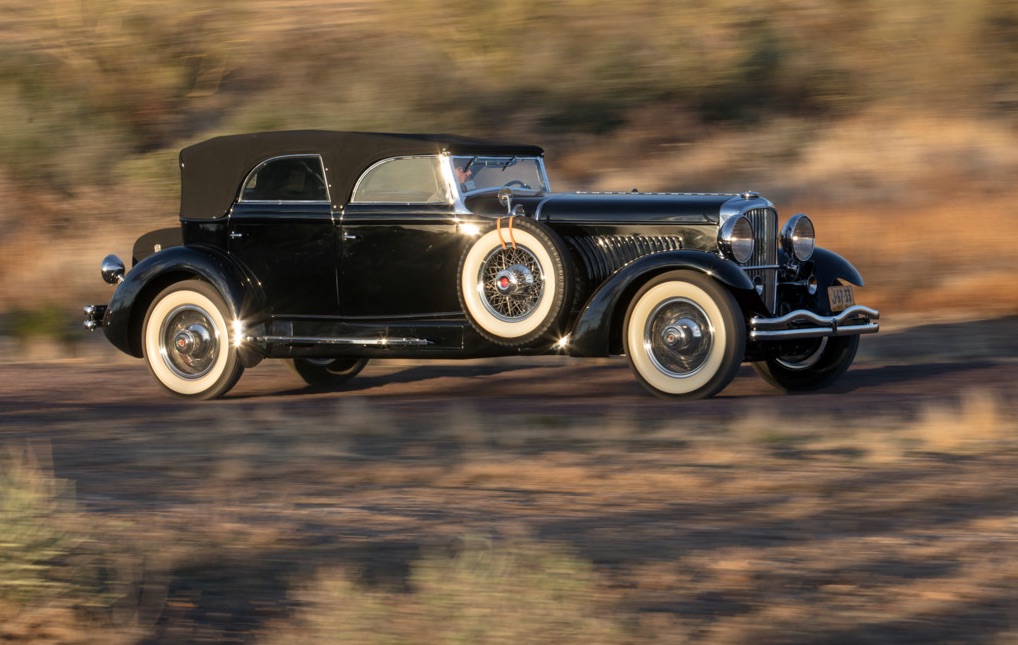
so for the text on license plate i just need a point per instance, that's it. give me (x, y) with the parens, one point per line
(841, 297)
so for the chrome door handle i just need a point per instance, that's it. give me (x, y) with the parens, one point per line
(234, 235)
(348, 236)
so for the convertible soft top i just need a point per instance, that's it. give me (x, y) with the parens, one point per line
(211, 171)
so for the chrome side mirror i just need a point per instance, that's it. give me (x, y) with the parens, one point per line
(112, 269)
(505, 197)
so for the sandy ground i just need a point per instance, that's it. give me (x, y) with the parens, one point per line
(877, 511)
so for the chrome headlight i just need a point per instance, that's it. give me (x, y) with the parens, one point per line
(798, 238)
(736, 239)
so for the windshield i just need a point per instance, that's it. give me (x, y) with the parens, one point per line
(479, 173)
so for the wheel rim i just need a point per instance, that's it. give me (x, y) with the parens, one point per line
(678, 337)
(189, 342)
(510, 283)
(805, 360)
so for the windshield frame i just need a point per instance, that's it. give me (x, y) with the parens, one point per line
(493, 161)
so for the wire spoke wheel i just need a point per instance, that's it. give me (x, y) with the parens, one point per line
(515, 282)
(511, 282)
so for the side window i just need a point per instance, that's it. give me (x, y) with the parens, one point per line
(292, 179)
(407, 180)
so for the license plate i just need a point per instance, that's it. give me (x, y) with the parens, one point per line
(840, 297)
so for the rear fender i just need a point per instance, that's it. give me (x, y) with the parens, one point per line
(125, 314)
(598, 329)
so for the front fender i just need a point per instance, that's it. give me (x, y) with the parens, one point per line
(829, 266)
(599, 326)
(126, 311)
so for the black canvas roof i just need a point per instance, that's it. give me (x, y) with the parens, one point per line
(211, 171)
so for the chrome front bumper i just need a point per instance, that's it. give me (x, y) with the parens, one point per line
(805, 324)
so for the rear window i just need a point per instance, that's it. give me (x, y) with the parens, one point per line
(288, 179)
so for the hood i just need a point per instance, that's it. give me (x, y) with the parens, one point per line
(634, 208)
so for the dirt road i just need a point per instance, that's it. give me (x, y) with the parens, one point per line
(752, 517)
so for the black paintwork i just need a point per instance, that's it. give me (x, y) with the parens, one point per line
(306, 270)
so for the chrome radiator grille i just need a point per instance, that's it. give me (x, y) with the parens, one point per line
(762, 268)
(603, 255)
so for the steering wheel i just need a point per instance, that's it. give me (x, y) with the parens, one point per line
(517, 182)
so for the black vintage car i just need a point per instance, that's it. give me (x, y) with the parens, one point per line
(327, 249)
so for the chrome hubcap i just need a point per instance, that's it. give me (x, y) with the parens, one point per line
(678, 337)
(511, 283)
(188, 342)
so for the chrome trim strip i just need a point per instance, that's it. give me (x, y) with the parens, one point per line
(839, 325)
(314, 340)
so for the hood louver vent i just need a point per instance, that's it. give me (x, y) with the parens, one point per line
(603, 255)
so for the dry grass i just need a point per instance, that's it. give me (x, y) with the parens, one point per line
(924, 242)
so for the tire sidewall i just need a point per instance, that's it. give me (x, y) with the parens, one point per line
(729, 336)
(552, 261)
(226, 369)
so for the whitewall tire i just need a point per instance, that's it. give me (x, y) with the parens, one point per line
(186, 337)
(514, 282)
(684, 336)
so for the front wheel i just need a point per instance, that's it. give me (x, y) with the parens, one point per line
(684, 336)
(187, 341)
(326, 372)
(812, 367)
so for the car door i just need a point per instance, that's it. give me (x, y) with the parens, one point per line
(283, 230)
(401, 244)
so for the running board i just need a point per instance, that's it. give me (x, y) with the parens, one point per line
(354, 342)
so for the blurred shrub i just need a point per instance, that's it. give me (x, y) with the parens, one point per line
(486, 594)
(33, 507)
(58, 584)
(85, 84)
(49, 321)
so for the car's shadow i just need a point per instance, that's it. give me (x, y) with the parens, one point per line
(886, 359)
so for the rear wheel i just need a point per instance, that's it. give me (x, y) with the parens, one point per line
(326, 372)
(187, 344)
(684, 336)
(811, 367)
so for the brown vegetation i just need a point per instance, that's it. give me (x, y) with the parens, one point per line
(893, 124)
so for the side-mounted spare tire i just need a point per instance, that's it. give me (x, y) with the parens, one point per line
(515, 282)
